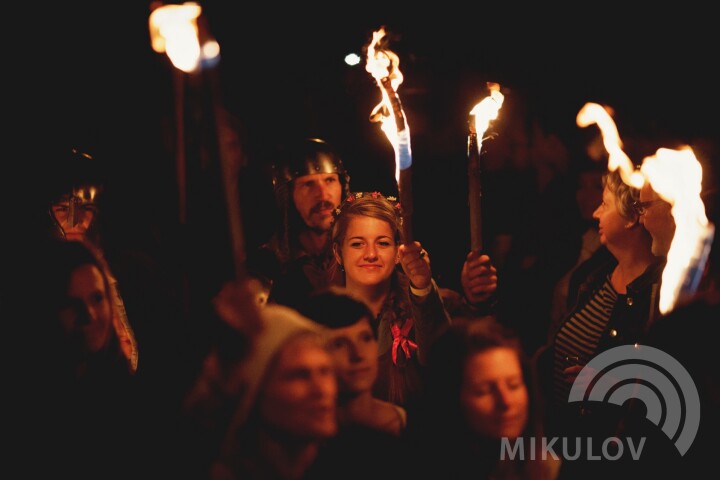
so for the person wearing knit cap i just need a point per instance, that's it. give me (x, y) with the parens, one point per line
(288, 408)
(280, 325)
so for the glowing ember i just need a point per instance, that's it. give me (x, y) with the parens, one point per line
(173, 29)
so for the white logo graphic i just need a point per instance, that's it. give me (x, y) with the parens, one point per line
(650, 375)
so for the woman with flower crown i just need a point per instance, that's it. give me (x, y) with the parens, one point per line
(395, 281)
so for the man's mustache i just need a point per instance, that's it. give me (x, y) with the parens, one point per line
(323, 205)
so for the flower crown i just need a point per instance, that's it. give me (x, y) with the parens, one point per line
(357, 195)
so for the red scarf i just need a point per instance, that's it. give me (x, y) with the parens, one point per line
(401, 340)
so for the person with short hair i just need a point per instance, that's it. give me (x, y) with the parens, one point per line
(613, 299)
(352, 341)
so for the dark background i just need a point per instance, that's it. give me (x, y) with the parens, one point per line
(85, 75)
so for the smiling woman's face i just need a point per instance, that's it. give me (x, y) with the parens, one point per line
(369, 252)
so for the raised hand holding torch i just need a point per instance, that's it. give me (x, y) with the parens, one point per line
(478, 276)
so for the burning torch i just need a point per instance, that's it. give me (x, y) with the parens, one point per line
(676, 176)
(482, 114)
(175, 30)
(383, 65)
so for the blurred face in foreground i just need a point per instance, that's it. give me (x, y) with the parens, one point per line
(494, 397)
(300, 392)
(355, 353)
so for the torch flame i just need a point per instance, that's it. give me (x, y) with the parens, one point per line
(676, 176)
(487, 110)
(383, 65)
(174, 29)
(594, 113)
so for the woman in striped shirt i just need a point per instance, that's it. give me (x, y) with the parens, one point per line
(613, 298)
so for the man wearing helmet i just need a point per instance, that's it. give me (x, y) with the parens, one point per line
(73, 207)
(313, 175)
(309, 181)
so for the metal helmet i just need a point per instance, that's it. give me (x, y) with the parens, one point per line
(307, 157)
(76, 184)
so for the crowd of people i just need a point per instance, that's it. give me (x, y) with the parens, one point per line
(338, 354)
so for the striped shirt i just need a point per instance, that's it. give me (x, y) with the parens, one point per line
(579, 336)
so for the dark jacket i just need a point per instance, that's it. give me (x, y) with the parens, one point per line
(631, 317)
(303, 275)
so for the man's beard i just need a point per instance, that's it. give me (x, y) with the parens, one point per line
(320, 229)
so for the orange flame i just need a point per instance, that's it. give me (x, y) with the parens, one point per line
(174, 30)
(486, 111)
(676, 176)
(594, 113)
(383, 65)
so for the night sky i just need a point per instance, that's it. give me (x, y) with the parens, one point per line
(90, 78)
